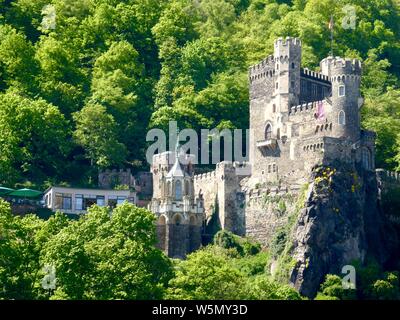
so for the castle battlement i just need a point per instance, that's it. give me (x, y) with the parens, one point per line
(287, 42)
(205, 176)
(263, 69)
(338, 65)
(266, 62)
(305, 107)
(313, 74)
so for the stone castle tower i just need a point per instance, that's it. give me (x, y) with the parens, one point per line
(179, 212)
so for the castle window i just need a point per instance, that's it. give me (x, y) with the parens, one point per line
(274, 167)
(177, 220)
(274, 108)
(292, 84)
(293, 65)
(342, 91)
(277, 85)
(268, 132)
(366, 159)
(342, 118)
(269, 168)
(178, 190)
(278, 133)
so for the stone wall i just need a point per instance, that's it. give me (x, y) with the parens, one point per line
(108, 179)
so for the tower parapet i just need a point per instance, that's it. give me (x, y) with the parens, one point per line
(287, 54)
(345, 75)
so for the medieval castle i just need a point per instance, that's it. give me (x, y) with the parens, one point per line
(298, 119)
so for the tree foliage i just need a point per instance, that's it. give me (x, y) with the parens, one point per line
(149, 62)
(100, 256)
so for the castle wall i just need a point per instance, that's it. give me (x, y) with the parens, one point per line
(222, 196)
(265, 212)
(314, 86)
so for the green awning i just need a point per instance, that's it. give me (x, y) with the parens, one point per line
(4, 191)
(25, 193)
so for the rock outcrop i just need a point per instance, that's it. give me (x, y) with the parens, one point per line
(340, 223)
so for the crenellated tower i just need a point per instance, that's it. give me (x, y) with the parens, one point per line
(345, 75)
(287, 56)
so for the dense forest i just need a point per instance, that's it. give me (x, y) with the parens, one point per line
(81, 82)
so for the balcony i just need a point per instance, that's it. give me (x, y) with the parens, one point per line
(267, 144)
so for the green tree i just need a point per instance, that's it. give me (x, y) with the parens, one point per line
(33, 138)
(109, 256)
(96, 132)
(206, 276)
(18, 67)
(262, 288)
(19, 255)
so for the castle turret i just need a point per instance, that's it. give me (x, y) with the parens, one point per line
(179, 213)
(287, 55)
(345, 75)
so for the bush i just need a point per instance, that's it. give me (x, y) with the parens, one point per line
(244, 246)
(263, 288)
(332, 289)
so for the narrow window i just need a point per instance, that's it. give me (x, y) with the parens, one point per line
(342, 91)
(366, 159)
(268, 132)
(293, 65)
(178, 190)
(342, 118)
(79, 202)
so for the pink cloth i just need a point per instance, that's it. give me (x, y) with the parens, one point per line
(320, 115)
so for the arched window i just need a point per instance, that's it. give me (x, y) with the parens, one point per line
(177, 220)
(268, 132)
(342, 118)
(178, 190)
(366, 159)
(342, 91)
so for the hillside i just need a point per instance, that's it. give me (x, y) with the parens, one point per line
(82, 83)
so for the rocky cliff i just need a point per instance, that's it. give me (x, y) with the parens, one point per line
(340, 223)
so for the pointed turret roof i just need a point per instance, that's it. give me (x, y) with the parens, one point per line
(176, 170)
